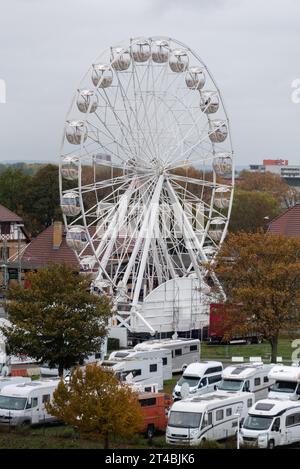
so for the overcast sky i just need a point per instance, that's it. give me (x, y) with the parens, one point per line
(252, 48)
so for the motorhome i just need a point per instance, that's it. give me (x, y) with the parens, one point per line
(272, 422)
(184, 351)
(141, 371)
(164, 354)
(286, 382)
(24, 403)
(213, 416)
(249, 377)
(8, 380)
(200, 377)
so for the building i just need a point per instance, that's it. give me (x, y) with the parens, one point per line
(288, 223)
(13, 240)
(290, 173)
(48, 247)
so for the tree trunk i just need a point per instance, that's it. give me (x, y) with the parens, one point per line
(274, 348)
(61, 370)
(106, 441)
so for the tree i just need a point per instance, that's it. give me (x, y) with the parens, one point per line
(261, 274)
(252, 211)
(13, 186)
(56, 320)
(97, 404)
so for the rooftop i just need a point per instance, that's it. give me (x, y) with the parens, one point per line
(288, 223)
(7, 215)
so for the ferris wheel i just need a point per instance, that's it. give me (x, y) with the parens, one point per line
(146, 172)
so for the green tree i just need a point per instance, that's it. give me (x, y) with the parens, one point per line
(13, 187)
(97, 405)
(252, 211)
(261, 274)
(56, 320)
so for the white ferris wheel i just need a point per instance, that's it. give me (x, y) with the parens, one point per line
(146, 180)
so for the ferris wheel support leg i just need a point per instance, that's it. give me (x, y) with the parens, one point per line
(144, 233)
(147, 233)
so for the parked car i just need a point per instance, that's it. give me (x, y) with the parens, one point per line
(155, 408)
(249, 377)
(272, 422)
(201, 378)
(212, 416)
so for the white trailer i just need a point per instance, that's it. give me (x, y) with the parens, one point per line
(24, 403)
(144, 371)
(212, 416)
(184, 351)
(272, 422)
(286, 382)
(249, 377)
(201, 378)
(163, 354)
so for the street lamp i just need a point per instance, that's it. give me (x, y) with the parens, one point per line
(238, 430)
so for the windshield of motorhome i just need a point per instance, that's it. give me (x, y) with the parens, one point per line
(257, 422)
(191, 380)
(184, 419)
(12, 403)
(230, 385)
(283, 386)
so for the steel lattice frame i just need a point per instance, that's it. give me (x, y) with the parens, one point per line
(148, 150)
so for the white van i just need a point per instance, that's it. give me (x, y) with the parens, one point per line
(272, 422)
(249, 377)
(163, 354)
(286, 382)
(212, 416)
(25, 402)
(201, 378)
(184, 351)
(141, 371)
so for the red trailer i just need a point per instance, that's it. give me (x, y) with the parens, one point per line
(219, 327)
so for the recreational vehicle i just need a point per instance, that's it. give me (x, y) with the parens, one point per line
(272, 422)
(252, 377)
(141, 371)
(8, 380)
(163, 354)
(287, 382)
(183, 351)
(24, 403)
(213, 416)
(200, 377)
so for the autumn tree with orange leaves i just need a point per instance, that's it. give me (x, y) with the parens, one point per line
(260, 272)
(96, 404)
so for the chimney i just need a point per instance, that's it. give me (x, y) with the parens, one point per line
(57, 234)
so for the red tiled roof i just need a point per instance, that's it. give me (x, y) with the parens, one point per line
(288, 223)
(40, 252)
(8, 215)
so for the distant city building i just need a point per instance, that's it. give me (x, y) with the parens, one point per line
(290, 173)
(288, 223)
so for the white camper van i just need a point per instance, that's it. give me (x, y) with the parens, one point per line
(163, 354)
(249, 377)
(212, 416)
(200, 377)
(141, 371)
(184, 351)
(287, 382)
(25, 402)
(272, 422)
